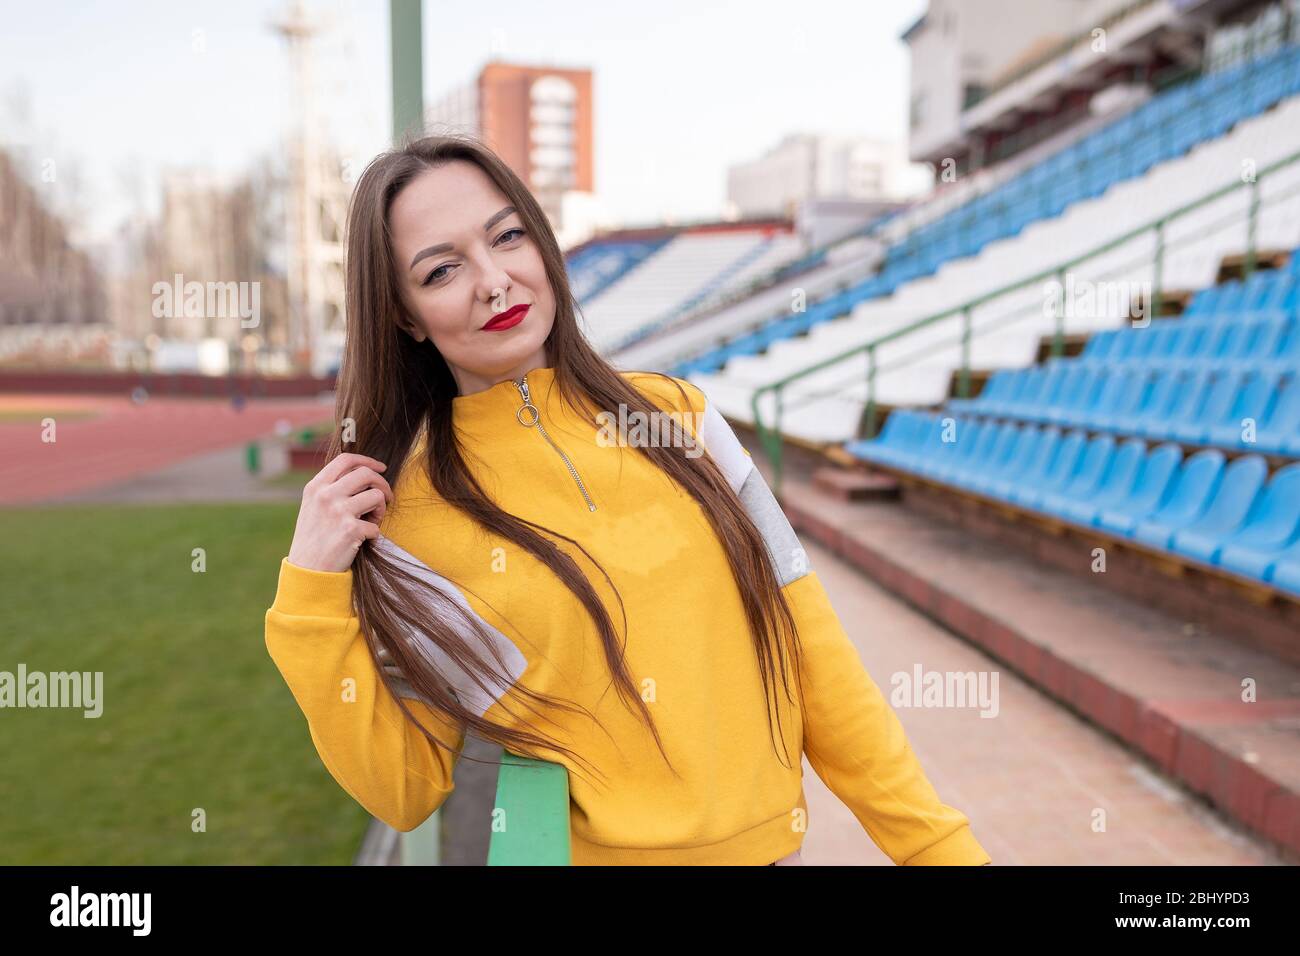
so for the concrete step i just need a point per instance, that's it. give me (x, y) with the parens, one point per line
(854, 485)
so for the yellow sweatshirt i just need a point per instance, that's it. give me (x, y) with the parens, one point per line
(688, 650)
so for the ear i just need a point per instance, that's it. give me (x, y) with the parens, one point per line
(411, 327)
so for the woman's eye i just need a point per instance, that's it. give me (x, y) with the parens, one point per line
(509, 231)
(433, 276)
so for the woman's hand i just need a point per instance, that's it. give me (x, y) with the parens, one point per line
(341, 507)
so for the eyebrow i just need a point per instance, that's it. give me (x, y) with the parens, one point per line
(446, 246)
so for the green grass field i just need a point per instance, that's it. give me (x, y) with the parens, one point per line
(195, 714)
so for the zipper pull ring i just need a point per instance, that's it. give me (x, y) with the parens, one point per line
(522, 385)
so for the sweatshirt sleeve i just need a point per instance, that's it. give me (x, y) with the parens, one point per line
(856, 744)
(852, 737)
(364, 740)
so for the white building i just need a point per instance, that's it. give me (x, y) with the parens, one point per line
(991, 78)
(806, 166)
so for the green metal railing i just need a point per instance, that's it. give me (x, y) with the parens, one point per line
(1157, 229)
(530, 822)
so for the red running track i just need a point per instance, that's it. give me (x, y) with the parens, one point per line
(125, 439)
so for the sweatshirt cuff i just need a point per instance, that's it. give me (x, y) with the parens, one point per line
(959, 848)
(303, 592)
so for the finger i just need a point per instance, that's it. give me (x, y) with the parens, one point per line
(367, 529)
(364, 502)
(376, 515)
(340, 464)
(362, 477)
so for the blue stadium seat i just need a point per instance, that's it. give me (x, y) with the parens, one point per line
(998, 384)
(1198, 418)
(1022, 392)
(1284, 573)
(1237, 492)
(1082, 483)
(1287, 357)
(1272, 526)
(976, 440)
(1095, 350)
(1183, 400)
(1197, 481)
(1154, 484)
(1279, 433)
(992, 459)
(1080, 396)
(955, 442)
(903, 432)
(1114, 486)
(1125, 391)
(1250, 405)
(1000, 478)
(1035, 465)
(1053, 473)
(973, 440)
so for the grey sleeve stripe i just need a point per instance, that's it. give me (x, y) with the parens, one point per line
(725, 448)
(473, 697)
(789, 559)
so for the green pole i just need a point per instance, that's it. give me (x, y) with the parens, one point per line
(778, 446)
(408, 67)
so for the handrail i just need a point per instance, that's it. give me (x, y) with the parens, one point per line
(530, 821)
(770, 438)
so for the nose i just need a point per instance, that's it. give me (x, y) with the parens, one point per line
(493, 284)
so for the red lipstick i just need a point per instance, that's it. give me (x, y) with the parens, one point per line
(507, 319)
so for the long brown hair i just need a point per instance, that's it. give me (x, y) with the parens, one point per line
(393, 388)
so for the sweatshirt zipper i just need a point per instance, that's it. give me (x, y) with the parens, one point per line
(522, 385)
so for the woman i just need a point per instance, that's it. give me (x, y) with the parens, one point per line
(495, 490)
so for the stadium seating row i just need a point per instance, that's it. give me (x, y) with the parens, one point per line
(1228, 515)
(1165, 127)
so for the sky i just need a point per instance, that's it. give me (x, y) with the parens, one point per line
(98, 98)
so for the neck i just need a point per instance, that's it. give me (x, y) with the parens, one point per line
(471, 382)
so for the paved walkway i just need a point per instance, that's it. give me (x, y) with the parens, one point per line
(1030, 779)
